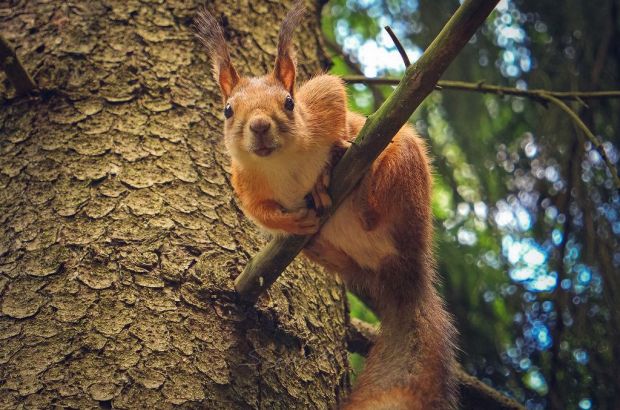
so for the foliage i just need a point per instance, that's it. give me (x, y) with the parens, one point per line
(527, 217)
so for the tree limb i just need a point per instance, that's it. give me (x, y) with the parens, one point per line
(474, 394)
(15, 71)
(417, 83)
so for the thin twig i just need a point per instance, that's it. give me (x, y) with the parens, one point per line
(15, 71)
(589, 134)
(542, 96)
(493, 89)
(399, 46)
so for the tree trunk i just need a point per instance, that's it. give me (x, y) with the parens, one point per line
(119, 234)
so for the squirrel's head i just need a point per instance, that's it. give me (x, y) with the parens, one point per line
(261, 115)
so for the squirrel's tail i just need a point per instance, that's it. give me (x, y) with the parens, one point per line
(411, 365)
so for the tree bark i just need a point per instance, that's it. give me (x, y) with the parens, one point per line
(119, 234)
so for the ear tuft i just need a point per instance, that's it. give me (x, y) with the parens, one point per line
(285, 67)
(211, 35)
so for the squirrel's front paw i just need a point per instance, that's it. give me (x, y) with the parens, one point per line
(302, 222)
(320, 197)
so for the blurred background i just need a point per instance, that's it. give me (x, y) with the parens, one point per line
(527, 216)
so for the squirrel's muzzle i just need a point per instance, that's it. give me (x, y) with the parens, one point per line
(260, 126)
(263, 141)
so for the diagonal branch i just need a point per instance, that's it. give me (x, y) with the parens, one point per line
(474, 394)
(417, 83)
(15, 71)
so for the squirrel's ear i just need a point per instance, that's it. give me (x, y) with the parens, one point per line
(211, 35)
(285, 71)
(285, 68)
(228, 78)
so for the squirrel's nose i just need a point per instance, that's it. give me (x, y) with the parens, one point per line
(260, 125)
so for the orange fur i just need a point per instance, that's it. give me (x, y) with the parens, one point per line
(380, 238)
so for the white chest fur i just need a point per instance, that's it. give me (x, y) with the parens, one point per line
(292, 176)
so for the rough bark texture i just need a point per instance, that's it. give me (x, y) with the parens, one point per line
(119, 234)
(17, 75)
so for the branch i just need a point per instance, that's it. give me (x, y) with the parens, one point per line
(474, 394)
(542, 96)
(14, 69)
(492, 89)
(417, 83)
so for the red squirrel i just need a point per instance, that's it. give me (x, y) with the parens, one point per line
(283, 140)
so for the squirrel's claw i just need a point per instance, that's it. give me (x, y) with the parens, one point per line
(321, 198)
(305, 222)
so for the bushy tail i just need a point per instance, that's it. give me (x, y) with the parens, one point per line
(411, 365)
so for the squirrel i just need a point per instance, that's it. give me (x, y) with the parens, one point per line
(283, 140)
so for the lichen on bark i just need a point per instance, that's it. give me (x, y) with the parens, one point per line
(119, 234)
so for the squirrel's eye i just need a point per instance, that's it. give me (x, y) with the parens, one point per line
(228, 111)
(289, 104)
